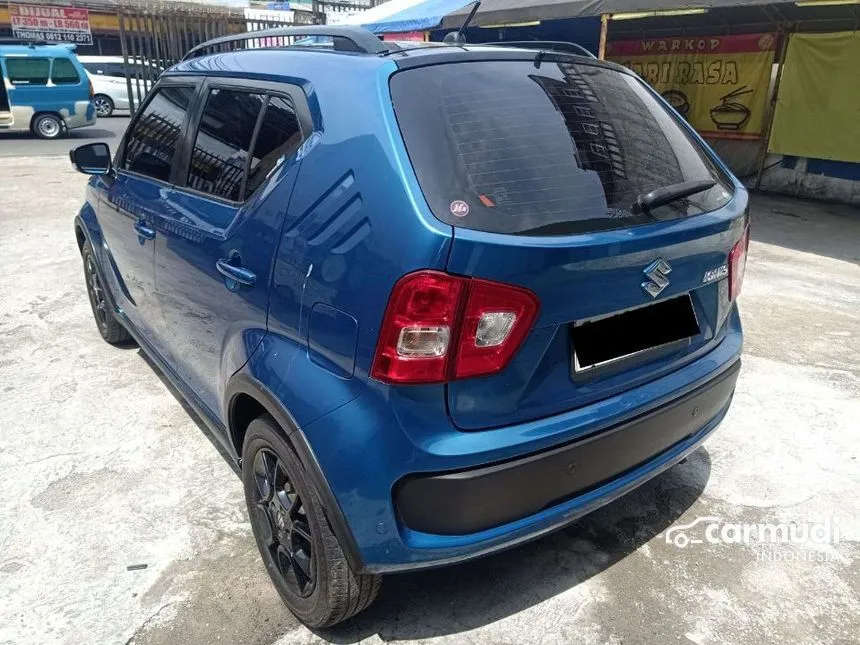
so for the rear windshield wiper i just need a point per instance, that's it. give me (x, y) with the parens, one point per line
(668, 194)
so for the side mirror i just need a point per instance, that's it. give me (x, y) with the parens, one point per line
(92, 159)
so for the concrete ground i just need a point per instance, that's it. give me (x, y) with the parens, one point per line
(102, 468)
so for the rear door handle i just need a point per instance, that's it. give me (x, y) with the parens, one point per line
(143, 230)
(236, 274)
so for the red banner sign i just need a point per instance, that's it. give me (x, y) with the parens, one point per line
(417, 36)
(51, 24)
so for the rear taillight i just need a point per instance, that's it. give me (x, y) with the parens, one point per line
(92, 89)
(415, 339)
(738, 263)
(439, 327)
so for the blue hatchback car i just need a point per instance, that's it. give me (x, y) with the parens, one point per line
(434, 301)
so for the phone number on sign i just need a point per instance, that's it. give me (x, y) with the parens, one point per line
(54, 36)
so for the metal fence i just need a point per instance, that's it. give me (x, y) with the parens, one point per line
(154, 37)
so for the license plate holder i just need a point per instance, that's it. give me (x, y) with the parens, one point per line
(621, 339)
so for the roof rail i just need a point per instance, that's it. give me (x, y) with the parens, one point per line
(363, 40)
(551, 45)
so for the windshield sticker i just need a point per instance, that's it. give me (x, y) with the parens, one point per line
(459, 208)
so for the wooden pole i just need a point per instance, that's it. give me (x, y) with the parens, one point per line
(768, 119)
(604, 28)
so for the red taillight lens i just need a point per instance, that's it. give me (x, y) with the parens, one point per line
(439, 327)
(738, 263)
(414, 342)
(495, 323)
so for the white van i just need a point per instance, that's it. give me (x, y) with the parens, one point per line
(111, 88)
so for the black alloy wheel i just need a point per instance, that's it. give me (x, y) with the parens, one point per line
(109, 327)
(304, 559)
(96, 294)
(280, 519)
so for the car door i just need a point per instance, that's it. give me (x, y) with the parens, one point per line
(137, 194)
(215, 250)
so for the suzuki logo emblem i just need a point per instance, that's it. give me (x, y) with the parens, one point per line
(658, 277)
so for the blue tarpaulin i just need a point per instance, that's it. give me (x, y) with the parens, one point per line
(420, 17)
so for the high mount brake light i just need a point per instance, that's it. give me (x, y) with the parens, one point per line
(440, 327)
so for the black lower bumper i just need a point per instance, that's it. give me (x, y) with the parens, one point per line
(473, 500)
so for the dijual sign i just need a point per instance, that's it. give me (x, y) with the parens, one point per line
(51, 24)
(718, 83)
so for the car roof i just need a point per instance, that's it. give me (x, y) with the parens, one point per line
(56, 51)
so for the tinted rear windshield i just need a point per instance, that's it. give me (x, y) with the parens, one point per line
(563, 148)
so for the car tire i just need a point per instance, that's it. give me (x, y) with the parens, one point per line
(302, 556)
(48, 126)
(104, 105)
(109, 327)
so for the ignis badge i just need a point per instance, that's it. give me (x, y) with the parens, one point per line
(716, 274)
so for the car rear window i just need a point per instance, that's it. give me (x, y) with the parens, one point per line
(546, 148)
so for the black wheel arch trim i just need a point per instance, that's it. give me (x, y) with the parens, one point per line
(80, 225)
(243, 383)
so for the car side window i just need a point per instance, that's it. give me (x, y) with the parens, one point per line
(223, 142)
(28, 71)
(157, 132)
(280, 135)
(117, 70)
(63, 72)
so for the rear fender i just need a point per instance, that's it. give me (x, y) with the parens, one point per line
(87, 220)
(88, 223)
(87, 230)
(276, 401)
(308, 390)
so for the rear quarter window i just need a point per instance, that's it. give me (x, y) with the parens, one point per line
(561, 148)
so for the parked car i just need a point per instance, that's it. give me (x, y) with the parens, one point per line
(424, 327)
(43, 90)
(108, 74)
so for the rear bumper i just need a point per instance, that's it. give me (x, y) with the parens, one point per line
(368, 450)
(84, 114)
(471, 501)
